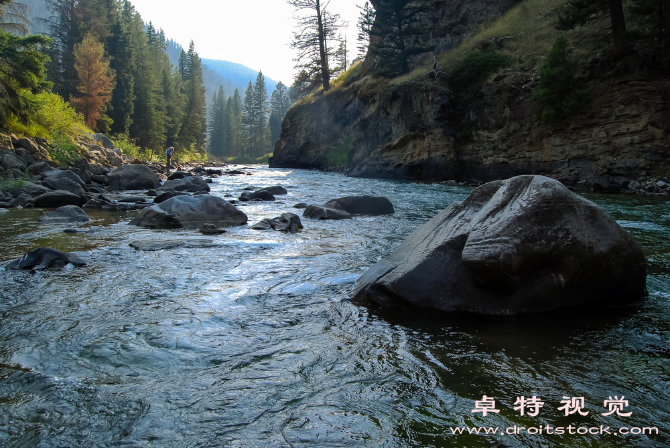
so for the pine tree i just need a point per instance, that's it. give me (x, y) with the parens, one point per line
(261, 137)
(580, 12)
(248, 120)
(96, 80)
(21, 67)
(235, 126)
(280, 102)
(122, 61)
(341, 57)
(315, 29)
(217, 124)
(365, 21)
(399, 34)
(194, 128)
(560, 94)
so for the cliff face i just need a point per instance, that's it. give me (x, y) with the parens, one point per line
(407, 131)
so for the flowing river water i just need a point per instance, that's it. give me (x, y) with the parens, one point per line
(253, 341)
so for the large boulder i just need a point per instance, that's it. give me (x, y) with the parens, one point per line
(65, 215)
(133, 177)
(323, 212)
(193, 184)
(59, 198)
(45, 258)
(362, 205)
(103, 141)
(522, 245)
(9, 160)
(287, 222)
(190, 211)
(64, 180)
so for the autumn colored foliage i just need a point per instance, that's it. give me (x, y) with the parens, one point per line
(96, 79)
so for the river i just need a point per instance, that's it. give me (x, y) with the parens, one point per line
(253, 342)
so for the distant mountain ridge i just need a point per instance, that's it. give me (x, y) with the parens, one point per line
(217, 73)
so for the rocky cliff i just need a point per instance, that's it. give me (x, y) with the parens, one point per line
(407, 131)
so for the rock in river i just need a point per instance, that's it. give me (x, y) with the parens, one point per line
(45, 258)
(323, 212)
(194, 184)
(59, 198)
(154, 245)
(526, 244)
(363, 205)
(260, 195)
(133, 177)
(287, 222)
(190, 211)
(65, 214)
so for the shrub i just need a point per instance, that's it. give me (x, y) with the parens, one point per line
(63, 150)
(471, 73)
(560, 94)
(340, 156)
(48, 115)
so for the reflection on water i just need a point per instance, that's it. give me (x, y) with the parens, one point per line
(253, 342)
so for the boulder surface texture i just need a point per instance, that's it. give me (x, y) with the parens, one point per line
(190, 211)
(526, 244)
(133, 177)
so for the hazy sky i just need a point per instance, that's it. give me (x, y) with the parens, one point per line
(256, 33)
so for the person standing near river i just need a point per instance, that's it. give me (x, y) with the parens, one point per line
(169, 152)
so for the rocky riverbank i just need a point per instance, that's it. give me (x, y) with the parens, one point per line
(31, 178)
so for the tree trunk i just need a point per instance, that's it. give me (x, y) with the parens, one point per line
(621, 45)
(325, 75)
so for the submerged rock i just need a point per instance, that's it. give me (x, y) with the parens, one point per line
(190, 211)
(287, 222)
(65, 214)
(45, 258)
(154, 245)
(211, 229)
(526, 244)
(363, 205)
(323, 212)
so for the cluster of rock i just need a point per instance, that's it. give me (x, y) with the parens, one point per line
(627, 186)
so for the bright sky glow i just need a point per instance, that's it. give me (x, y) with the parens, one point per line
(256, 33)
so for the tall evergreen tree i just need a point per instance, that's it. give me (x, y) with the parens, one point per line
(194, 129)
(315, 28)
(217, 124)
(248, 120)
(399, 34)
(366, 19)
(280, 101)
(122, 61)
(261, 139)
